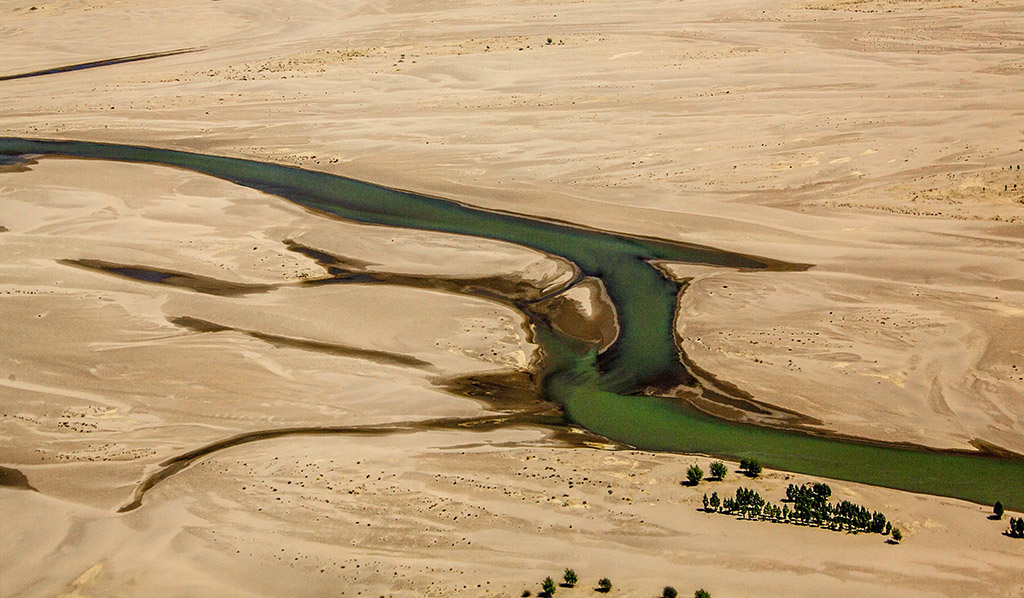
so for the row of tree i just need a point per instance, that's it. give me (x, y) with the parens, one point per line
(749, 467)
(569, 580)
(810, 506)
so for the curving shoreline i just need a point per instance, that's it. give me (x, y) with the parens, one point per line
(598, 391)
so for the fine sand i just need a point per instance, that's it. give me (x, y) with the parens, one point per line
(878, 141)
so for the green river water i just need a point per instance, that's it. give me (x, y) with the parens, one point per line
(601, 392)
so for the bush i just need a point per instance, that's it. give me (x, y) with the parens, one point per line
(714, 501)
(751, 467)
(669, 592)
(605, 585)
(1016, 528)
(718, 470)
(998, 510)
(897, 535)
(570, 578)
(548, 585)
(701, 594)
(694, 474)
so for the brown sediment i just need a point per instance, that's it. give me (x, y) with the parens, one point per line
(994, 449)
(98, 63)
(184, 280)
(514, 394)
(16, 163)
(503, 288)
(13, 478)
(204, 326)
(566, 315)
(327, 260)
(768, 265)
(549, 417)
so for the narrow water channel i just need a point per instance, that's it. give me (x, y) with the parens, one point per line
(603, 392)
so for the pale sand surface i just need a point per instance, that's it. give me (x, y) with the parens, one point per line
(871, 139)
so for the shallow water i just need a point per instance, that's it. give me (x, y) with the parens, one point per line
(600, 392)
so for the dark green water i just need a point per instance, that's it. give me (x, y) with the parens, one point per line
(599, 392)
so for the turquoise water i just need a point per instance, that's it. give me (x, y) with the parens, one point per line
(600, 392)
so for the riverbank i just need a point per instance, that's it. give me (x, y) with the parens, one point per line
(449, 513)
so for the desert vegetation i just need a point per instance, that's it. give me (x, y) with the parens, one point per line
(807, 504)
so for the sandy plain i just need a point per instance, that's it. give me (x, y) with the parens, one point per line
(879, 141)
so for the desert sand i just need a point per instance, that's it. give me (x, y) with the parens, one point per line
(877, 141)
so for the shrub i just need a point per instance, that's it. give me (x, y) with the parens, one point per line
(701, 593)
(669, 592)
(751, 467)
(604, 585)
(714, 501)
(548, 585)
(718, 470)
(897, 535)
(998, 510)
(570, 578)
(1016, 528)
(694, 474)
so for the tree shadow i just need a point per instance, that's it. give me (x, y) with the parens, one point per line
(994, 517)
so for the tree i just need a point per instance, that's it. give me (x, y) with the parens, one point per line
(998, 510)
(669, 592)
(701, 593)
(694, 474)
(548, 585)
(751, 467)
(604, 585)
(718, 470)
(714, 501)
(897, 535)
(706, 502)
(1016, 527)
(570, 578)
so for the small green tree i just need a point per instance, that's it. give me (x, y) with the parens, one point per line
(718, 470)
(570, 578)
(548, 585)
(751, 467)
(701, 593)
(694, 474)
(706, 502)
(897, 535)
(669, 592)
(714, 501)
(604, 585)
(998, 510)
